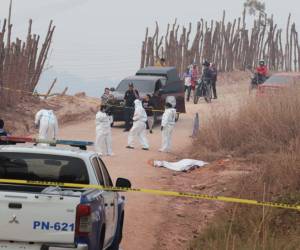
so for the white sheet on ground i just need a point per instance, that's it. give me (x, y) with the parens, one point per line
(182, 165)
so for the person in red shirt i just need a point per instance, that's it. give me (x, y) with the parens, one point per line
(262, 72)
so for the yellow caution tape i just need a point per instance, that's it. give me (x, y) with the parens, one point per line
(157, 192)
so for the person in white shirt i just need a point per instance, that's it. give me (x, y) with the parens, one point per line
(139, 126)
(47, 123)
(167, 127)
(103, 144)
(187, 77)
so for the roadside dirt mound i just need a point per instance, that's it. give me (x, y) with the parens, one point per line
(186, 218)
(20, 120)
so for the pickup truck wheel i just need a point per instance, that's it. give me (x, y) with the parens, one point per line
(118, 236)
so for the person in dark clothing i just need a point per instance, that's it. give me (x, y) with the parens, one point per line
(130, 96)
(3, 132)
(148, 105)
(105, 96)
(207, 74)
(214, 74)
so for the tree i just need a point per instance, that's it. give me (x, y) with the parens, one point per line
(254, 6)
(257, 9)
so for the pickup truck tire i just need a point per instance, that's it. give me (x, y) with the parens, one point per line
(118, 236)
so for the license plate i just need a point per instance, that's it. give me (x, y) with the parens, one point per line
(14, 246)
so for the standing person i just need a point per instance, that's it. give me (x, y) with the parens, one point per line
(214, 78)
(103, 143)
(194, 77)
(167, 127)
(47, 123)
(130, 96)
(148, 105)
(187, 83)
(104, 100)
(160, 63)
(207, 73)
(2, 130)
(139, 126)
(105, 96)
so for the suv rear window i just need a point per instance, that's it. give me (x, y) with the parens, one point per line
(42, 167)
(143, 86)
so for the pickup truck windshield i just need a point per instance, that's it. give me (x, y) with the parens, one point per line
(143, 86)
(42, 167)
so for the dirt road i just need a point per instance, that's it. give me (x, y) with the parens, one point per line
(145, 214)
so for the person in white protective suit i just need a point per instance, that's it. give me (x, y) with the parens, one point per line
(103, 143)
(47, 123)
(167, 127)
(139, 126)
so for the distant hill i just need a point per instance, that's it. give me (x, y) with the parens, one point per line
(75, 84)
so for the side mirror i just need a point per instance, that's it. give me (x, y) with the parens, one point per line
(123, 183)
(112, 89)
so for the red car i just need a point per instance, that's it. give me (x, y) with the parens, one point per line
(278, 81)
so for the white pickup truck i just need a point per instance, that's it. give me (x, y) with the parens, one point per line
(51, 217)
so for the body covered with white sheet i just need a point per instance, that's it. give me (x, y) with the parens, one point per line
(183, 165)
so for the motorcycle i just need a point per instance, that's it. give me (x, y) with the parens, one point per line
(203, 89)
(257, 80)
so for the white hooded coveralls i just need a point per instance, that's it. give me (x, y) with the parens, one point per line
(168, 123)
(103, 143)
(139, 125)
(48, 125)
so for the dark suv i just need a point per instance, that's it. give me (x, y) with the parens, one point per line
(159, 82)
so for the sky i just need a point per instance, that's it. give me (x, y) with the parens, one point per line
(97, 43)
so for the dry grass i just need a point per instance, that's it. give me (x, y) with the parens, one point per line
(265, 132)
(261, 125)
